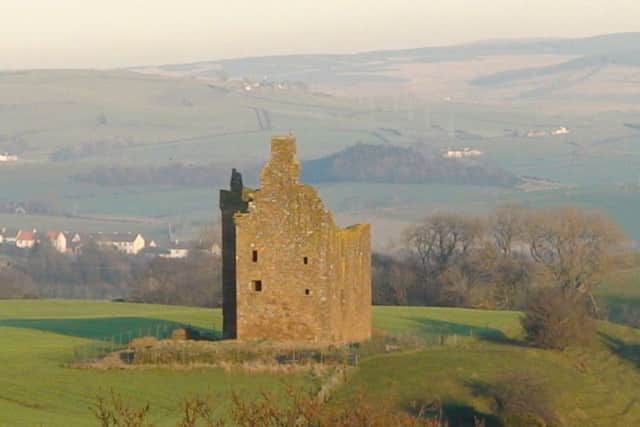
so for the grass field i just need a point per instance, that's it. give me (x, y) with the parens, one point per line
(591, 387)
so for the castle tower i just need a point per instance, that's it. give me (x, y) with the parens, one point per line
(289, 272)
(232, 201)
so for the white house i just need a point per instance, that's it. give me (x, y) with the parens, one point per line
(176, 251)
(6, 157)
(58, 240)
(26, 239)
(128, 243)
(216, 249)
(461, 153)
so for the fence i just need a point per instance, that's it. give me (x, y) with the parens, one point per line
(102, 346)
(203, 352)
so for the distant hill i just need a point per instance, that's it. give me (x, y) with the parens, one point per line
(600, 73)
(320, 68)
(400, 165)
(629, 58)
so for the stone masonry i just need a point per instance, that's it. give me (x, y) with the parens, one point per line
(289, 273)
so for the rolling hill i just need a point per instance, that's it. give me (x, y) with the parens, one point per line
(592, 387)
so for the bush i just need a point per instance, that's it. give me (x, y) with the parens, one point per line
(556, 319)
(519, 400)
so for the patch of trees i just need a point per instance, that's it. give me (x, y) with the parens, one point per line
(359, 163)
(104, 273)
(400, 165)
(494, 262)
(546, 262)
(174, 174)
(194, 281)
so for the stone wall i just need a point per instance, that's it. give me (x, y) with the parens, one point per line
(298, 276)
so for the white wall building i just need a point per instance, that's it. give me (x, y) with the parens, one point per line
(461, 153)
(128, 243)
(58, 240)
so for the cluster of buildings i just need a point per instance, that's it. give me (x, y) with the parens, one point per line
(554, 132)
(71, 243)
(460, 153)
(6, 157)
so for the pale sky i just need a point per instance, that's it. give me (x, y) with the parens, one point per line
(116, 33)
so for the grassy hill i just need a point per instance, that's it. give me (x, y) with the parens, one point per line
(593, 387)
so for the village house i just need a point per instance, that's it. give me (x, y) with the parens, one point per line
(26, 239)
(75, 242)
(461, 153)
(128, 243)
(8, 235)
(176, 251)
(58, 240)
(6, 157)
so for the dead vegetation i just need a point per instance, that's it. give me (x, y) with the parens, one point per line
(301, 408)
(250, 356)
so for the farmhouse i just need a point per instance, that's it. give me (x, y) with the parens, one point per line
(57, 239)
(9, 235)
(289, 273)
(128, 243)
(26, 239)
(459, 153)
(6, 157)
(176, 251)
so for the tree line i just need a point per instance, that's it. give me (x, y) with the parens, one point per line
(545, 262)
(494, 261)
(105, 273)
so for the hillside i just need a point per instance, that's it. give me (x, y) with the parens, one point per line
(399, 165)
(544, 69)
(106, 150)
(594, 387)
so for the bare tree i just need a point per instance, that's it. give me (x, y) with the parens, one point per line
(573, 246)
(436, 243)
(506, 227)
(438, 239)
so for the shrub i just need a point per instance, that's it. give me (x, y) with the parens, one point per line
(519, 400)
(556, 319)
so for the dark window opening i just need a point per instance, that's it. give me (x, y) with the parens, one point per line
(254, 256)
(305, 260)
(257, 285)
(307, 291)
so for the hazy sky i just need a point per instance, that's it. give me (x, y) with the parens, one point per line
(112, 33)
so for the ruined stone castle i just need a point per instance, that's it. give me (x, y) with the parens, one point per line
(289, 273)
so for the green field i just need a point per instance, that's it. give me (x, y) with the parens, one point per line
(591, 387)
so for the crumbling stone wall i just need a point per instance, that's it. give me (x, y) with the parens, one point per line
(297, 276)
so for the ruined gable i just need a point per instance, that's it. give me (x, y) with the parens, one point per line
(297, 276)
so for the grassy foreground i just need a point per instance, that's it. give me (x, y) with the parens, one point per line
(595, 387)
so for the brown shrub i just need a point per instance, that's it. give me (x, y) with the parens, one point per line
(520, 400)
(556, 319)
(142, 343)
